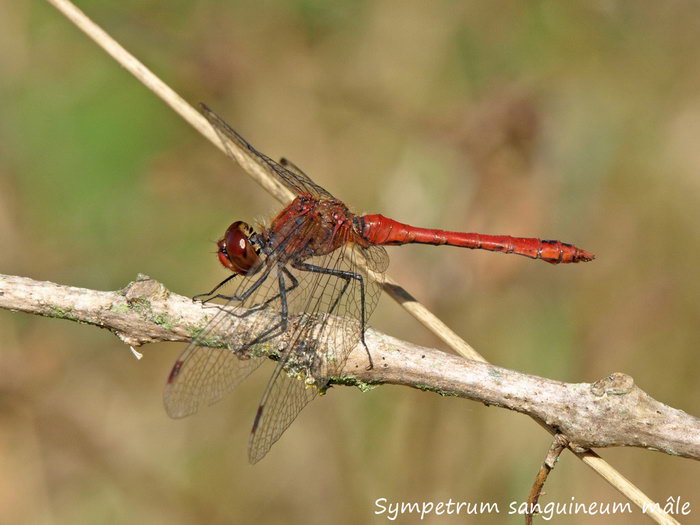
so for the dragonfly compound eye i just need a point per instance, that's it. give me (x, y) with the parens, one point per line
(236, 252)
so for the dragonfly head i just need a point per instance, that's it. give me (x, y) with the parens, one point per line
(237, 251)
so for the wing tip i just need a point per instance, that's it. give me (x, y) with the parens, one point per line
(178, 410)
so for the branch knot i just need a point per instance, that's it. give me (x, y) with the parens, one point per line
(616, 384)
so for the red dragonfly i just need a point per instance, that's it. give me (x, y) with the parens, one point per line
(306, 276)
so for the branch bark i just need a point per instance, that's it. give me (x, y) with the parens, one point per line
(611, 412)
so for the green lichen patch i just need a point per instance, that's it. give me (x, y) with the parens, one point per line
(163, 320)
(364, 386)
(62, 313)
(435, 390)
(120, 308)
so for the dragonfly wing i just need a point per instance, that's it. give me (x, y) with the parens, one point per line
(297, 181)
(202, 375)
(302, 178)
(284, 398)
(325, 328)
(230, 347)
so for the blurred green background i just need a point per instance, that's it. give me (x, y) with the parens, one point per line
(578, 121)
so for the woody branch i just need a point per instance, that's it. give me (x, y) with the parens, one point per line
(611, 412)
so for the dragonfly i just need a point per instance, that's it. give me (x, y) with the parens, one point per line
(301, 291)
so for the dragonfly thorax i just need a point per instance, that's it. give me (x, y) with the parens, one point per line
(308, 227)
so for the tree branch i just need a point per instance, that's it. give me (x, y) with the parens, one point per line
(611, 412)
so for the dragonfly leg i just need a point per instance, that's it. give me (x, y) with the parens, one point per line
(198, 296)
(262, 306)
(244, 295)
(340, 296)
(295, 283)
(346, 276)
(284, 310)
(256, 308)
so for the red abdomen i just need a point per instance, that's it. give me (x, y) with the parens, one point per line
(378, 229)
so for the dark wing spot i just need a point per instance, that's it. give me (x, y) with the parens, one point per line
(258, 416)
(175, 371)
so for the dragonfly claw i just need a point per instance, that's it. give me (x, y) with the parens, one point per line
(370, 366)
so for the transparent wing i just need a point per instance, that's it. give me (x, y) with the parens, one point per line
(203, 373)
(295, 179)
(320, 339)
(284, 398)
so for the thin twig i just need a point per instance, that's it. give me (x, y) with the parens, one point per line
(559, 443)
(397, 292)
